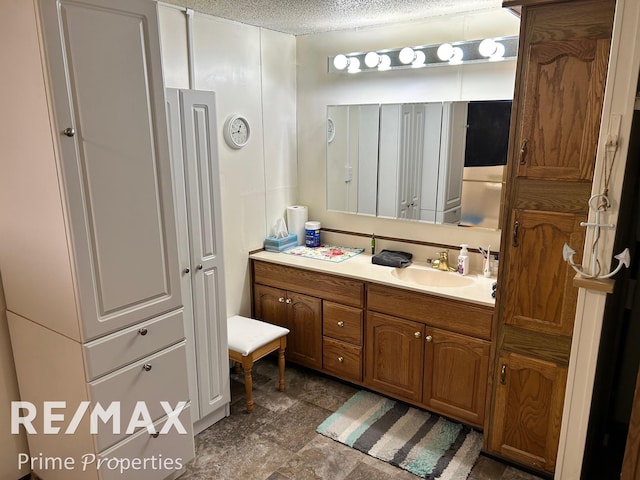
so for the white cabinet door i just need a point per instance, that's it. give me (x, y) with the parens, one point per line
(110, 126)
(196, 172)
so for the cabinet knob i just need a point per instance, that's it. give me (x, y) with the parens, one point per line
(186, 270)
(341, 359)
(155, 435)
(417, 334)
(199, 267)
(341, 324)
(287, 301)
(146, 367)
(143, 331)
(69, 132)
(281, 299)
(429, 338)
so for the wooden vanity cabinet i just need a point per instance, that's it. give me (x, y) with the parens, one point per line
(559, 91)
(428, 350)
(296, 299)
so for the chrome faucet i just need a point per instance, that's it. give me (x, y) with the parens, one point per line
(442, 263)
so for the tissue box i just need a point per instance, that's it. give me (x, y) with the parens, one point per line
(272, 244)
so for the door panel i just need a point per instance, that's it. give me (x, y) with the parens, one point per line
(304, 342)
(107, 85)
(270, 305)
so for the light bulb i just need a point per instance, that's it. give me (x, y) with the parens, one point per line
(499, 53)
(340, 62)
(407, 55)
(456, 57)
(420, 58)
(385, 62)
(487, 47)
(445, 51)
(372, 59)
(354, 65)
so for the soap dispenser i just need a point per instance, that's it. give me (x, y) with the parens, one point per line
(463, 260)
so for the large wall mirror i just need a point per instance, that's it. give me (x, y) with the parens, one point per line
(438, 162)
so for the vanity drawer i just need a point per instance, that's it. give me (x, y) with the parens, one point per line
(328, 287)
(342, 359)
(130, 344)
(159, 377)
(453, 315)
(170, 450)
(342, 322)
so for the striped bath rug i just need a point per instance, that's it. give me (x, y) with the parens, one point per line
(420, 442)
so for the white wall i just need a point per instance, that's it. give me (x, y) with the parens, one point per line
(317, 89)
(252, 71)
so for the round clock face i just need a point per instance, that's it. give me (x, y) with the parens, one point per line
(236, 131)
(331, 130)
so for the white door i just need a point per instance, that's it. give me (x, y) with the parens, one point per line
(200, 173)
(109, 117)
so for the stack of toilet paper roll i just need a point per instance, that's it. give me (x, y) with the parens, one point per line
(297, 216)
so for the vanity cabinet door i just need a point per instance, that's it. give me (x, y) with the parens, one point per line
(456, 371)
(304, 319)
(528, 410)
(394, 356)
(301, 314)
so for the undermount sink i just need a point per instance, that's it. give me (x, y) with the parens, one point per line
(430, 277)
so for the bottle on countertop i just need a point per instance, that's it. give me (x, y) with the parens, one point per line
(463, 260)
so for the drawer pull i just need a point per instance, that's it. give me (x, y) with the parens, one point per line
(341, 359)
(146, 367)
(503, 374)
(155, 435)
(341, 324)
(143, 331)
(429, 338)
(417, 334)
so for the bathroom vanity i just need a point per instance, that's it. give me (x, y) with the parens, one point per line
(425, 340)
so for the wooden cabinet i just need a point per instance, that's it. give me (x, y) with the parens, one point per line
(455, 375)
(443, 368)
(342, 328)
(394, 356)
(301, 314)
(529, 397)
(560, 80)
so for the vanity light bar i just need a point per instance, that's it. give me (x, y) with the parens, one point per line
(453, 53)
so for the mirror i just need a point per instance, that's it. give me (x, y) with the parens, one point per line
(440, 162)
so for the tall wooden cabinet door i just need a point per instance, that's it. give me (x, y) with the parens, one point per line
(111, 131)
(304, 342)
(528, 410)
(270, 305)
(539, 294)
(562, 103)
(456, 369)
(394, 352)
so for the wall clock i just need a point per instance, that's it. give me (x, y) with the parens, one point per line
(331, 130)
(236, 131)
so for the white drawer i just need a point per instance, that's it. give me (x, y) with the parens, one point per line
(114, 351)
(159, 377)
(167, 449)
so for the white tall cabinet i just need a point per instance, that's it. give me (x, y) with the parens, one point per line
(89, 251)
(194, 150)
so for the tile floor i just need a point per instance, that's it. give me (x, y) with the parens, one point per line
(278, 440)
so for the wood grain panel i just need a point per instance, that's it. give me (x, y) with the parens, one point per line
(554, 348)
(304, 342)
(327, 287)
(342, 359)
(551, 196)
(342, 322)
(456, 316)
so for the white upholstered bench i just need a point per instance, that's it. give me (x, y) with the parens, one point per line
(250, 340)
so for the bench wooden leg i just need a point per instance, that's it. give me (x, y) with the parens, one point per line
(247, 365)
(283, 344)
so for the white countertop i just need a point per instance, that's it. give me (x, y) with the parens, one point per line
(360, 267)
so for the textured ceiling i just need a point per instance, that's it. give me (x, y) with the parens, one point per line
(299, 17)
